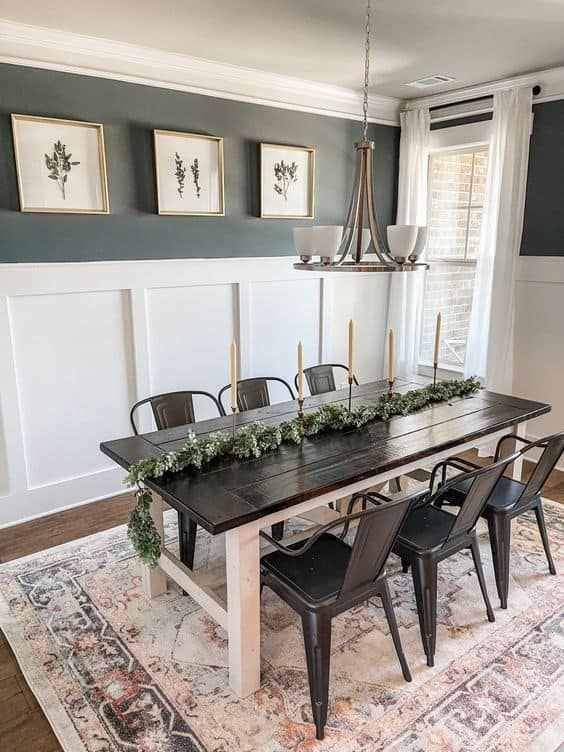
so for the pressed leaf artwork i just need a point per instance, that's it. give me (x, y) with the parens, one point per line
(196, 176)
(59, 165)
(179, 173)
(285, 175)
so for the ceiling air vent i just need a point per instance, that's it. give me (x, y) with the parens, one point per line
(427, 81)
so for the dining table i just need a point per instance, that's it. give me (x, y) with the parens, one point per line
(237, 498)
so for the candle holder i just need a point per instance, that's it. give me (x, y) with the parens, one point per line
(435, 366)
(301, 416)
(234, 412)
(390, 388)
(350, 392)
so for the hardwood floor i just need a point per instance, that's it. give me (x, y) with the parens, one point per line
(23, 726)
(62, 527)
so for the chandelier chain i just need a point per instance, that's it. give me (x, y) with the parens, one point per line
(366, 75)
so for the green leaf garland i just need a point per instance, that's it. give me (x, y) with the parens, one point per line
(257, 439)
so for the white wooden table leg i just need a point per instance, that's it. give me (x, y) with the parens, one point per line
(154, 579)
(242, 553)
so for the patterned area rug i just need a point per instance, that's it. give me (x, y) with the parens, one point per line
(117, 673)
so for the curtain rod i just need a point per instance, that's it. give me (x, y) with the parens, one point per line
(536, 92)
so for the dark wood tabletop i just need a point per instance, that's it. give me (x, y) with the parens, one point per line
(230, 493)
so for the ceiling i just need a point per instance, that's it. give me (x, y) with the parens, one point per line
(322, 40)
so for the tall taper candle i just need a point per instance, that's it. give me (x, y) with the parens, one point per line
(233, 375)
(300, 371)
(437, 340)
(391, 356)
(351, 348)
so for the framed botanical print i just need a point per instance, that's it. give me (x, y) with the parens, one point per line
(61, 165)
(287, 181)
(189, 174)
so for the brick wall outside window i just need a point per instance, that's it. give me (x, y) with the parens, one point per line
(456, 194)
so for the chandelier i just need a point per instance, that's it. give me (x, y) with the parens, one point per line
(344, 248)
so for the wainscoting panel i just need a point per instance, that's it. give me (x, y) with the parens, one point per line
(363, 298)
(190, 330)
(74, 381)
(80, 342)
(281, 314)
(539, 340)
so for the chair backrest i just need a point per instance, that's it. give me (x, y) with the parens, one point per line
(483, 481)
(253, 393)
(172, 408)
(553, 448)
(321, 379)
(377, 531)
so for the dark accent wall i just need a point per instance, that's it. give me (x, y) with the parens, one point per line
(543, 231)
(133, 230)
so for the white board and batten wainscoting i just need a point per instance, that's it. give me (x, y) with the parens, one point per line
(80, 342)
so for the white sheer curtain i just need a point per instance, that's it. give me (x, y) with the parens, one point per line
(489, 352)
(406, 290)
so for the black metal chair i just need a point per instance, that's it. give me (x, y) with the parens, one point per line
(512, 498)
(253, 393)
(170, 410)
(321, 379)
(430, 535)
(324, 576)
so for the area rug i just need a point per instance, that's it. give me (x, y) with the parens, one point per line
(115, 672)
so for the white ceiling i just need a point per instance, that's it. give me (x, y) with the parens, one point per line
(322, 40)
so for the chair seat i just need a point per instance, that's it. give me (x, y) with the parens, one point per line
(504, 496)
(426, 528)
(318, 573)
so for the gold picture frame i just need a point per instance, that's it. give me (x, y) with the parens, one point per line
(89, 191)
(278, 200)
(181, 198)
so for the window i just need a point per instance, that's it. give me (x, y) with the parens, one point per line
(457, 181)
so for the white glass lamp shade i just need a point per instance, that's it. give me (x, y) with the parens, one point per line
(303, 240)
(327, 241)
(401, 240)
(419, 243)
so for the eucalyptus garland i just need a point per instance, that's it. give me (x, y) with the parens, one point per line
(257, 439)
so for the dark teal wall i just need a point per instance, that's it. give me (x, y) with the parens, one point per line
(133, 230)
(543, 231)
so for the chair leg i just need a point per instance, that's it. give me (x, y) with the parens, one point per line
(539, 513)
(187, 529)
(424, 572)
(499, 527)
(404, 566)
(317, 640)
(391, 617)
(278, 530)
(475, 548)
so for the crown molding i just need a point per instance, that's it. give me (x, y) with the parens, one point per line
(21, 44)
(550, 80)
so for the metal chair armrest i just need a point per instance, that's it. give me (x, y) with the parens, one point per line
(507, 436)
(373, 496)
(455, 462)
(346, 520)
